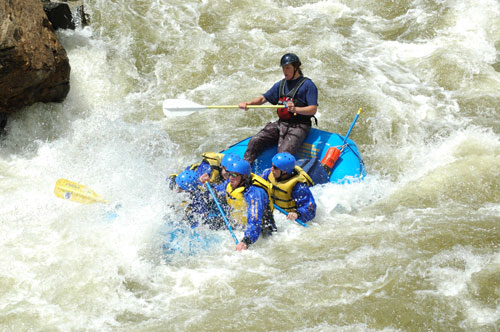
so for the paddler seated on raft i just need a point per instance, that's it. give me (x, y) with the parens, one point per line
(207, 173)
(290, 187)
(300, 95)
(248, 200)
(211, 169)
(200, 208)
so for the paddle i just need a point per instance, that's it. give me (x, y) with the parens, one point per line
(181, 107)
(286, 214)
(76, 192)
(352, 125)
(222, 212)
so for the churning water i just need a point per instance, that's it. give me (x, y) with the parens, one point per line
(414, 247)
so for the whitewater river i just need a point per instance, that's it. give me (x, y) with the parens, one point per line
(413, 247)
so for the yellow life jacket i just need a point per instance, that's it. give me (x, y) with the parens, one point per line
(281, 191)
(236, 201)
(214, 159)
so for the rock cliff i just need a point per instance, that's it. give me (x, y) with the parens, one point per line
(34, 66)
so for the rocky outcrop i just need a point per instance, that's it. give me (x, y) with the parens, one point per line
(34, 66)
(59, 15)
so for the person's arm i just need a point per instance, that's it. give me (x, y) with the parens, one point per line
(270, 96)
(220, 192)
(221, 188)
(204, 171)
(306, 206)
(265, 174)
(311, 99)
(307, 110)
(257, 201)
(256, 101)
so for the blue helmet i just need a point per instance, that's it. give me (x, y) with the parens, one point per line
(240, 166)
(284, 161)
(187, 180)
(228, 159)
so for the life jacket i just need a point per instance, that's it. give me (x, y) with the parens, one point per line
(281, 191)
(283, 113)
(236, 201)
(214, 159)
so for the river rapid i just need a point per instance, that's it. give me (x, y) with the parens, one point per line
(415, 246)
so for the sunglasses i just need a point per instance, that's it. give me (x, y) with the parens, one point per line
(233, 175)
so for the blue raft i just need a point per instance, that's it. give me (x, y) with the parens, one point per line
(348, 168)
(181, 239)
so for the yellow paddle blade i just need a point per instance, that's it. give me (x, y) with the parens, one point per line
(76, 192)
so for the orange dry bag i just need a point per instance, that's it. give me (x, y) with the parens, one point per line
(330, 158)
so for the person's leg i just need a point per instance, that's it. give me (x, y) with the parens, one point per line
(268, 136)
(292, 136)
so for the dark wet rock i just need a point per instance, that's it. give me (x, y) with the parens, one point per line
(59, 14)
(3, 123)
(81, 16)
(34, 66)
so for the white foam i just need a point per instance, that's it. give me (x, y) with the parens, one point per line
(373, 241)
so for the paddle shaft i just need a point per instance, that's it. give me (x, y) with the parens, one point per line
(190, 108)
(248, 106)
(222, 213)
(352, 125)
(181, 107)
(286, 214)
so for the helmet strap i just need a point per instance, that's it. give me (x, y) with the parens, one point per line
(294, 73)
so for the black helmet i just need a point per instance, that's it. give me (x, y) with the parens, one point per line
(289, 58)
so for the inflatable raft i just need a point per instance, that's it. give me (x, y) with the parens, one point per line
(349, 166)
(326, 157)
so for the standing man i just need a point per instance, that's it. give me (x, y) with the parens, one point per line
(300, 95)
